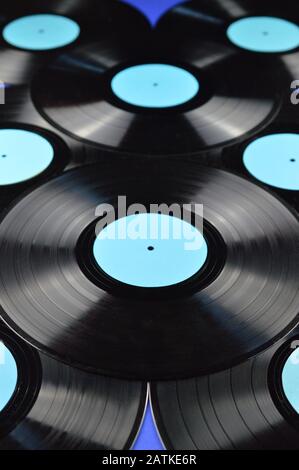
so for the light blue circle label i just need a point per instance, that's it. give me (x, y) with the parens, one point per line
(155, 85)
(8, 376)
(41, 32)
(290, 379)
(264, 34)
(23, 155)
(274, 160)
(150, 250)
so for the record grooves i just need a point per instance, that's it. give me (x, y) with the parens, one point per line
(50, 301)
(83, 104)
(56, 407)
(14, 183)
(89, 15)
(242, 408)
(212, 18)
(149, 225)
(206, 19)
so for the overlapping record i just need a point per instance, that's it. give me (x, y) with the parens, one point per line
(32, 151)
(56, 407)
(212, 19)
(270, 158)
(243, 298)
(116, 14)
(242, 408)
(20, 51)
(87, 317)
(83, 103)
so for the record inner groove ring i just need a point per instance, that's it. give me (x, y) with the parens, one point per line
(135, 265)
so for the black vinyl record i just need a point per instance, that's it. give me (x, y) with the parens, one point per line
(211, 19)
(283, 162)
(96, 18)
(19, 113)
(205, 17)
(56, 407)
(61, 158)
(277, 169)
(232, 159)
(242, 408)
(226, 108)
(243, 299)
(115, 14)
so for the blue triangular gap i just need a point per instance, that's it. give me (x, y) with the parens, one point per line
(148, 437)
(153, 9)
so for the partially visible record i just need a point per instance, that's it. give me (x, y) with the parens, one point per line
(266, 32)
(271, 158)
(45, 405)
(33, 32)
(115, 13)
(150, 308)
(32, 151)
(253, 406)
(156, 97)
(207, 18)
(29, 156)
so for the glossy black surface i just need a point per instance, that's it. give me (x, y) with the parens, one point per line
(206, 17)
(232, 157)
(19, 112)
(96, 18)
(57, 407)
(228, 107)
(142, 333)
(241, 408)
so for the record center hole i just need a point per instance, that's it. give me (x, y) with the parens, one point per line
(150, 248)
(41, 31)
(265, 33)
(292, 160)
(3, 156)
(155, 84)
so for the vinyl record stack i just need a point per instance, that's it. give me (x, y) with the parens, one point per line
(149, 228)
